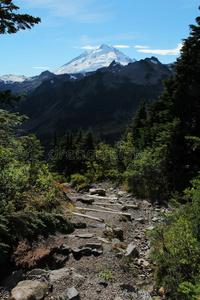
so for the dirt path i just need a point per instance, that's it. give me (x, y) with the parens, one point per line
(123, 221)
(107, 256)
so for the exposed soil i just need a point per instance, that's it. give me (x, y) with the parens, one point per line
(124, 274)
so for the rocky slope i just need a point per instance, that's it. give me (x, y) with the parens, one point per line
(106, 257)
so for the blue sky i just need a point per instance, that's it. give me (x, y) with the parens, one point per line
(139, 29)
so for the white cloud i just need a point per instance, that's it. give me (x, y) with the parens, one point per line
(82, 11)
(121, 46)
(175, 51)
(142, 47)
(88, 47)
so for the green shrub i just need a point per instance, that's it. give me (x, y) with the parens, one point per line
(78, 179)
(145, 177)
(176, 248)
(28, 225)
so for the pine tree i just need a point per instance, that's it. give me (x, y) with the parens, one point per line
(175, 116)
(138, 124)
(11, 22)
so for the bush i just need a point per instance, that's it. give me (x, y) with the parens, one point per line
(176, 248)
(145, 177)
(28, 225)
(78, 179)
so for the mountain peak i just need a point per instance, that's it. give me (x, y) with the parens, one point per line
(106, 47)
(98, 58)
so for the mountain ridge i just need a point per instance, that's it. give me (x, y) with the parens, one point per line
(105, 100)
(98, 58)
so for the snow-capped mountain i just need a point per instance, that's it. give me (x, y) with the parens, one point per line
(13, 78)
(88, 62)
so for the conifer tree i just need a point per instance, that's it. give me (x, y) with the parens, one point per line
(139, 122)
(11, 22)
(174, 117)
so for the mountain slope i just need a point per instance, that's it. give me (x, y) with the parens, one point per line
(89, 62)
(105, 100)
(13, 78)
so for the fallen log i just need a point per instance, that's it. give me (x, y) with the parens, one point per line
(106, 204)
(102, 197)
(107, 208)
(99, 210)
(86, 216)
(127, 215)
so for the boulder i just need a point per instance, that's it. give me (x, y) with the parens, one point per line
(28, 289)
(100, 280)
(100, 192)
(143, 295)
(58, 274)
(132, 251)
(37, 274)
(70, 294)
(93, 245)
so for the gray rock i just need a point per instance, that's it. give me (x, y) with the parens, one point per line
(132, 250)
(93, 245)
(150, 228)
(77, 278)
(86, 251)
(140, 220)
(127, 215)
(70, 294)
(96, 252)
(37, 274)
(100, 225)
(28, 289)
(85, 236)
(77, 252)
(58, 274)
(143, 295)
(107, 247)
(155, 219)
(100, 192)
(64, 249)
(121, 193)
(100, 281)
(115, 241)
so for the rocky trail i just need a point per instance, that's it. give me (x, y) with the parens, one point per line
(106, 257)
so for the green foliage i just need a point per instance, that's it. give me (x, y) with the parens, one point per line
(83, 158)
(28, 225)
(11, 22)
(166, 133)
(177, 248)
(29, 197)
(146, 176)
(104, 272)
(78, 179)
